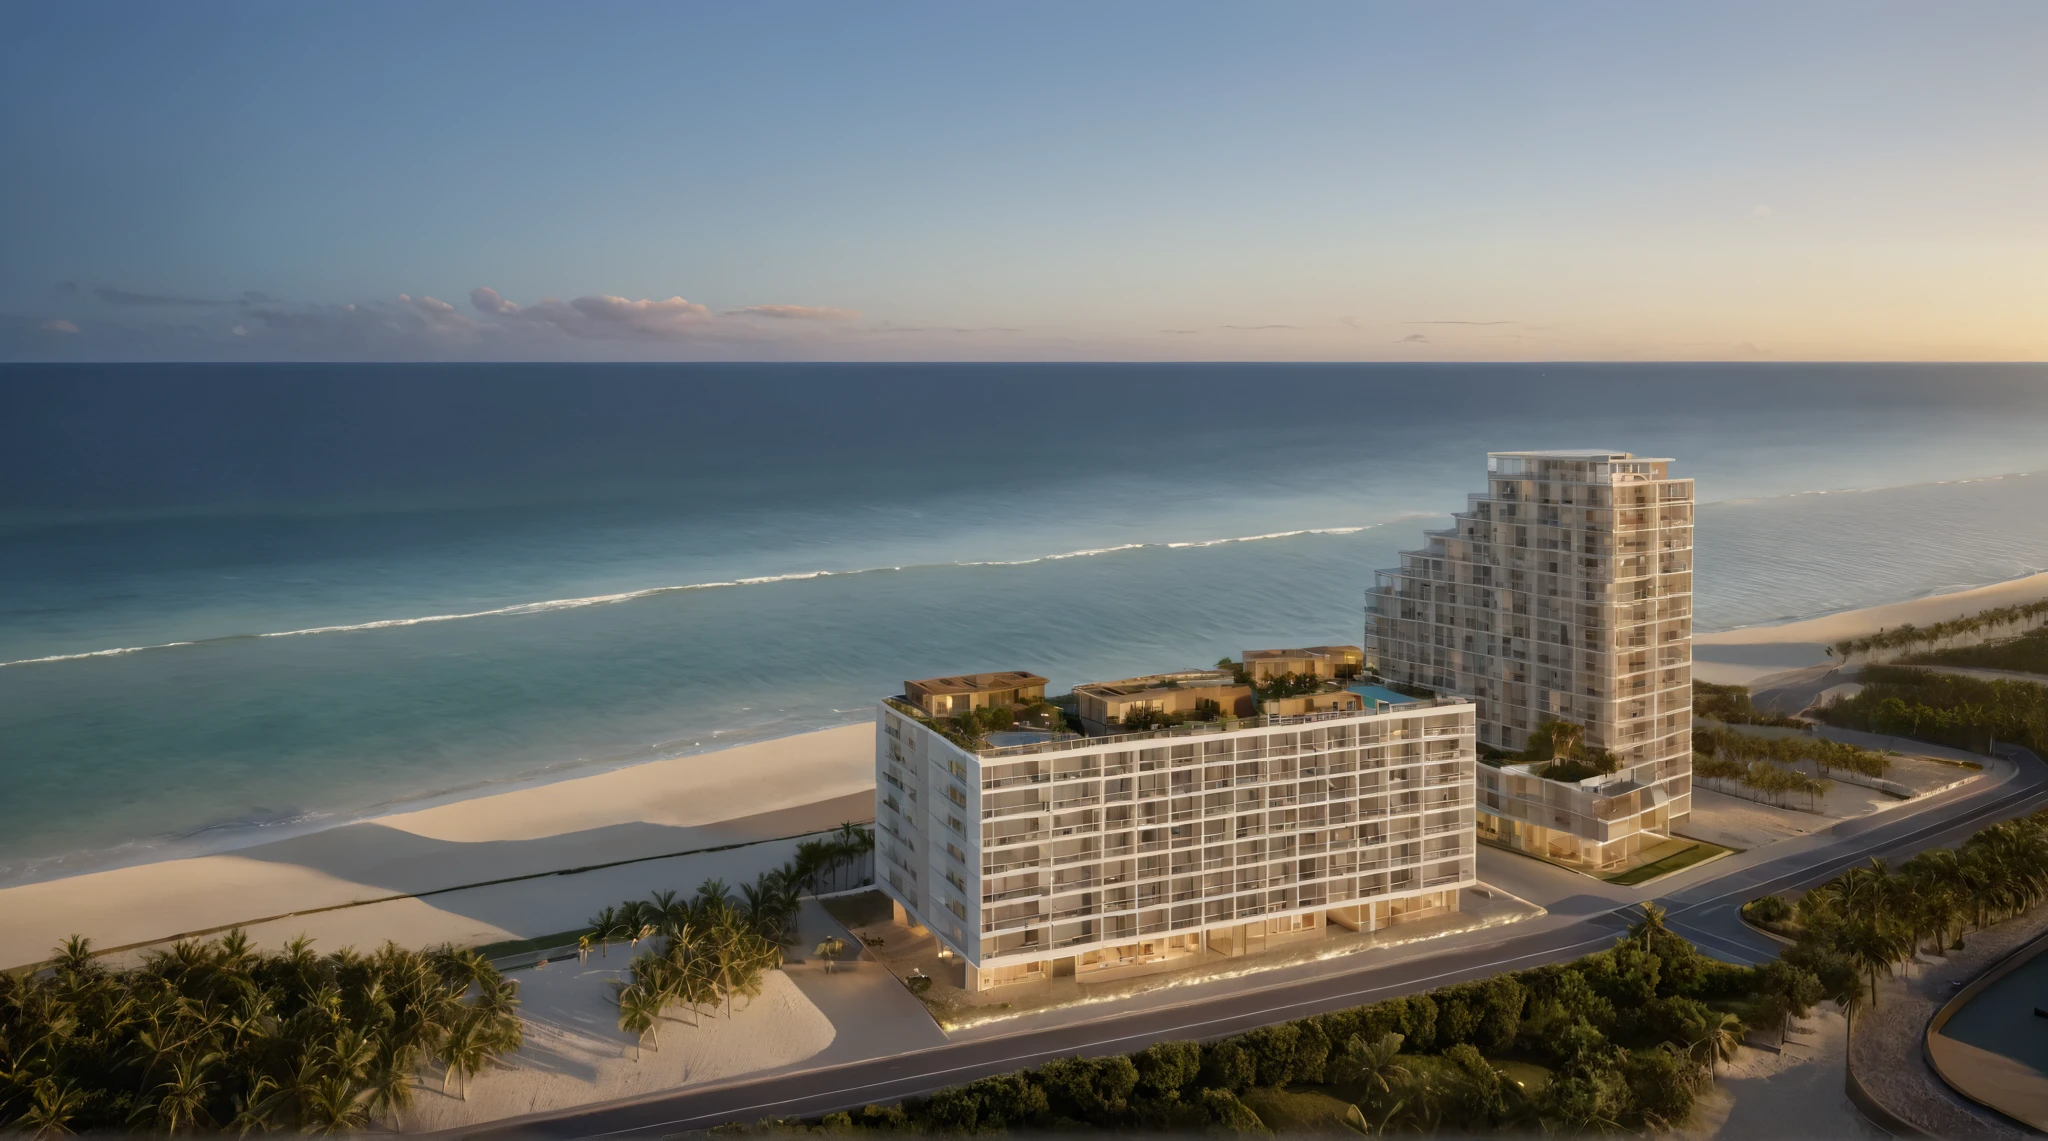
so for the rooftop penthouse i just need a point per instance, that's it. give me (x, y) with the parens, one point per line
(945, 696)
(1309, 661)
(1157, 699)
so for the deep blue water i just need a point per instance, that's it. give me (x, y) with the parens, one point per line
(394, 581)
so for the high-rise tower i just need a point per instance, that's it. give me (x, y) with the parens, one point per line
(1562, 594)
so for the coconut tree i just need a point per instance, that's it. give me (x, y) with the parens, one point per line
(1718, 1039)
(639, 1015)
(1373, 1065)
(604, 924)
(468, 1046)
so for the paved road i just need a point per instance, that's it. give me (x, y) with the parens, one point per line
(1705, 913)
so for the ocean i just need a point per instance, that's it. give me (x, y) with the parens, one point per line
(238, 601)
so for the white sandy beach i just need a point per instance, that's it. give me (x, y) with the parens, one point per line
(575, 1053)
(739, 796)
(1740, 657)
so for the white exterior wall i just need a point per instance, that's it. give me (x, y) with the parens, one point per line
(1105, 843)
(1564, 591)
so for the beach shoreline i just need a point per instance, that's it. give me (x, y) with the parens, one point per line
(234, 835)
(1741, 656)
(411, 875)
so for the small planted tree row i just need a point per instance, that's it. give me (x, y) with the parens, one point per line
(1759, 780)
(1825, 755)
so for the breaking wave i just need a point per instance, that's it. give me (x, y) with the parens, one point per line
(554, 604)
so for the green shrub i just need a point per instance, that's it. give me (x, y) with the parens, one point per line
(1231, 1115)
(1167, 1069)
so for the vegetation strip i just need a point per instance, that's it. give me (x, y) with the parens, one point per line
(1962, 712)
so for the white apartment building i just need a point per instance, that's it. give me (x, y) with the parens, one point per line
(1038, 854)
(1563, 592)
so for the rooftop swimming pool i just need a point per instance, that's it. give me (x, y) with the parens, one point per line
(1383, 694)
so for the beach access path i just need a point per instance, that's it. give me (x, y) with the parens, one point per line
(479, 870)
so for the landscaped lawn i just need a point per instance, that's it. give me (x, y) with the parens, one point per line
(1685, 857)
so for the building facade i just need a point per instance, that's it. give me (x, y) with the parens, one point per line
(1072, 854)
(1562, 593)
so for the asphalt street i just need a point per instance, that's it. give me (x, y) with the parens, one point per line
(1705, 912)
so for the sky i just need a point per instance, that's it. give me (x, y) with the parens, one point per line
(1042, 181)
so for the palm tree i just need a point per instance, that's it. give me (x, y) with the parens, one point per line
(603, 924)
(75, 956)
(639, 1015)
(1871, 947)
(466, 1049)
(181, 1100)
(1648, 930)
(634, 919)
(1373, 1065)
(711, 893)
(1719, 1038)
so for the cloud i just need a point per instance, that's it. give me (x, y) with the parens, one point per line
(643, 316)
(1760, 210)
(602, 315)
(257, 297)
(439, 314)
(1413, 339)
(57, 325)
(1179, 330)
(68, 288)
(239, 331)
(1461, 322)
(1348, 322)
(113, 296)
(795, 312)
(487, 300)
(1255, 327)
